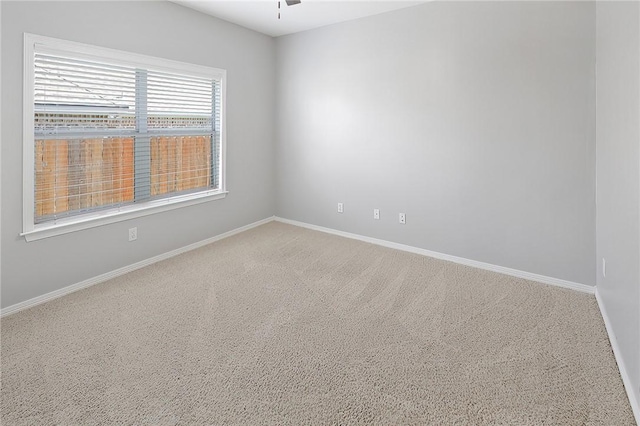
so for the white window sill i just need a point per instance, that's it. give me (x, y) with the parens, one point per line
(106, 217)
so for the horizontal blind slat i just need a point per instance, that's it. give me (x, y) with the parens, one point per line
(43, 57)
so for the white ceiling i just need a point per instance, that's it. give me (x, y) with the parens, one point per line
(262, 15)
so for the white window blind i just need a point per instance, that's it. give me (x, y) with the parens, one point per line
(110, 134)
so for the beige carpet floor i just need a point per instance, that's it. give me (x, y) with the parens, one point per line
(283, 325)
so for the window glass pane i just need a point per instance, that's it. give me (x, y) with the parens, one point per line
(76, 175)
(179, 101)
(180, 164)
(76, 95)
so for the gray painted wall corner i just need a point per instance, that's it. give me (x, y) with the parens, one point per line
(618, 171)
(465, 116)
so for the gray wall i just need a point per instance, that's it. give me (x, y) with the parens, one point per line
(618, 140)
(159, 29)
(475, 119)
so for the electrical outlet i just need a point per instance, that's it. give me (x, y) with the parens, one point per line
(340, 208)
(604, 267)
(133, 234)
(402, 218)
(376, 214)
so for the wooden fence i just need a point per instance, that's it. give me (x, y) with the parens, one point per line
(180, 163)
(72, 175)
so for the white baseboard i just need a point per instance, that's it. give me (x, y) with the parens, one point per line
(121, 271)
(468, 262)
(626, 380)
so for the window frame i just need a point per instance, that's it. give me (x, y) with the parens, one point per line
(32, 231)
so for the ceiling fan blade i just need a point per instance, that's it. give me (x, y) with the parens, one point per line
(292, 2)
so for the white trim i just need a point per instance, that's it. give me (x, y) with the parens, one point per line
(626, 380)
(637, 410)
(90, 52)
(126, 269)
(28, 154)
(92, 220)
(33, 232)
(223, 132)
(0, 148)
(460, 260)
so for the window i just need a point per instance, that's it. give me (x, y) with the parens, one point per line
(111, 135)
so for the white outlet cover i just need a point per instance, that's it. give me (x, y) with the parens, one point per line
(376, 214)
(402, 218)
